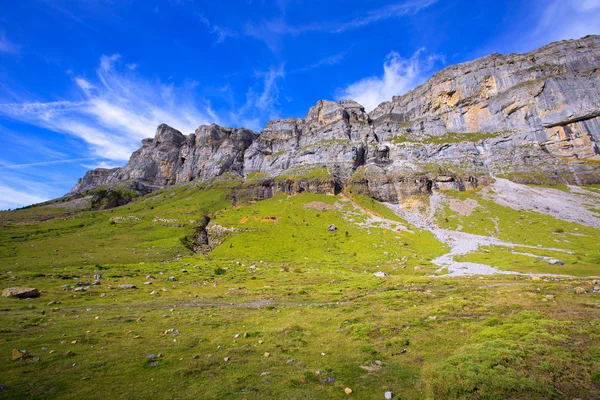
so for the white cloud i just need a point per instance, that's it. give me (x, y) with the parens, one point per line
(399, 76)
(564, 19)
(11, 198)
(101, 164)
(116, 110)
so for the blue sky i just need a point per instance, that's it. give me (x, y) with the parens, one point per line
(82, 81)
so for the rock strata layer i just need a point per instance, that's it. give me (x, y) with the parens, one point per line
(532, 118)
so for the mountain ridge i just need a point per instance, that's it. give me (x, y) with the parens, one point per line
(533, 118)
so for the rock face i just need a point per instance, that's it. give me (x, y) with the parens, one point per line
(533, 118)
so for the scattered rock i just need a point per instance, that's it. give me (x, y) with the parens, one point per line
(329, 379)
(21, 292)
(150, 356)
(290, 362)
(226, 359)
(147, 283)
(80, 289)
(82, 284)
(171, 279)
(579, 290)
(318, 205)
(371, 368)
(348, 391)
(266, 354)
(150, 277)
(331, 228)
(380, 274)
(555, 261)
(536, 278)
(388, 395)
(96, 282)
(184, 271)
(18, 354)
(2, 387)
(128, 286)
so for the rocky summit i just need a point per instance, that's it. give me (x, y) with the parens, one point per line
(531, 118)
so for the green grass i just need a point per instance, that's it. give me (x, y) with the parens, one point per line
(449, 137)
(578, 264)
(280, 229)
(313, 293)
(68, 238)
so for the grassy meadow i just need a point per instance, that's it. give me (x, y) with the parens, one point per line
(284, 308)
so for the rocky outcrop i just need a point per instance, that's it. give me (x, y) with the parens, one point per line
(532, 118)
(171, 158)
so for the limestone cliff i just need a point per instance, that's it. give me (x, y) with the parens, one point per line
(531, 117)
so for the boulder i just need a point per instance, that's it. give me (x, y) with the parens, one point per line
(18, 354)
(21, 292)
(128, 286)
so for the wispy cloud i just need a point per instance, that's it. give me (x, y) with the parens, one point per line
(270, 30)
(116, 109)
(262, 103)
(326, 61)
(6, 46)
(222, 33)
(399, 76)
(44, 163)
(562, 19)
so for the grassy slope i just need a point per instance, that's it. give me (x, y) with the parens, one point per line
(90, 237)
(498, 337)
(281, 229)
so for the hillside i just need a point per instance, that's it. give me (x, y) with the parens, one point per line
(443, 246)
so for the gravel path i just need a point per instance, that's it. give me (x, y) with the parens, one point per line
(461, 243)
